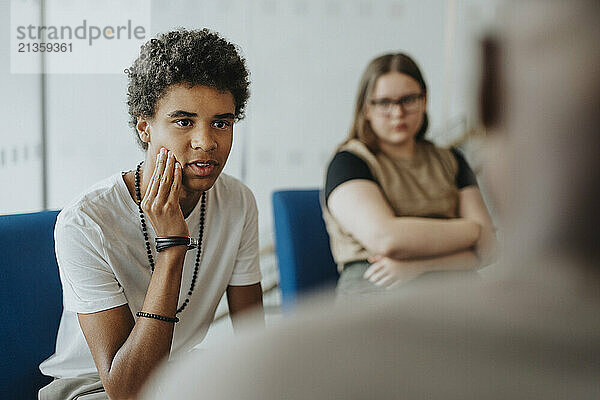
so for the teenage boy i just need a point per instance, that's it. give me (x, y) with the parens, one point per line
(146, 255)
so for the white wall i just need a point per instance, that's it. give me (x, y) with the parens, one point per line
(305, 59)
(20, 131)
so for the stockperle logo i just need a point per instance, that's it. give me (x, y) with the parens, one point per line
(77, 36)
(90, 33)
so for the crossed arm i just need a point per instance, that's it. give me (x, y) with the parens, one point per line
(406, 247)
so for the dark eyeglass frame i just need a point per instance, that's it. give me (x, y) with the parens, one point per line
(385, 104)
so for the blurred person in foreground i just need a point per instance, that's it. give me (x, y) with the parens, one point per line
(533, 334)
(146, 255)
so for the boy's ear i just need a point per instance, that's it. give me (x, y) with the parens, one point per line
(143, 129)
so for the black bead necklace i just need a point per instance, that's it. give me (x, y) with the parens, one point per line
(145, 231)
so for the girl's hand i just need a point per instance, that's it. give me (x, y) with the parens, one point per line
(388, 272)
(161, 200)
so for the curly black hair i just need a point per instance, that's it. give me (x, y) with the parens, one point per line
(193, 57)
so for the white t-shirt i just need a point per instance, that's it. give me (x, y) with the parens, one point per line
(103, 263)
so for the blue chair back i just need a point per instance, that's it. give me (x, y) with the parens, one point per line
(301, 244)
(30, 299)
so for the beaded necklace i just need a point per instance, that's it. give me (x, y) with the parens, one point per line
(145, 231)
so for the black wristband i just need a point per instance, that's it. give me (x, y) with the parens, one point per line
(156, 316)
(164, 242)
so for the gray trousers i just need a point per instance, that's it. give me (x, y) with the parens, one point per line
(351, 281)
(81, 388)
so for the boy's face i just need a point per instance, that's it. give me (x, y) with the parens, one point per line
(197, 125)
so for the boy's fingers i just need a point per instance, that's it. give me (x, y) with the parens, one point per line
(166, 178)
(176, 185)
(152, 188)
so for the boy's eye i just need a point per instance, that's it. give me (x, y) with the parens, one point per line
(221, 124)
(184, 122)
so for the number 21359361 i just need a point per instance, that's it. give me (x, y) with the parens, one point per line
(45, 47)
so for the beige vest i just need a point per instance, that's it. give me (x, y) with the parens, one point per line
(424, 186)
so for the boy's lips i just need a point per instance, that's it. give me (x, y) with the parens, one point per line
(202, 167)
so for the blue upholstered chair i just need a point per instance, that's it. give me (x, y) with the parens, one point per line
(301, 244)
(30, 301)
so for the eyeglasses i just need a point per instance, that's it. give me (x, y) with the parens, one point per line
(409, 104)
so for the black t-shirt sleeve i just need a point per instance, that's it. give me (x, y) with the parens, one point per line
(345, 166)
(465, 175)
